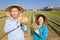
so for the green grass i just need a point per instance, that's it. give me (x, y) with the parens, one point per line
(2, 12)
(28, 14)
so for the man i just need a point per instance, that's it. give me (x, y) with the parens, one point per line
(13, 26)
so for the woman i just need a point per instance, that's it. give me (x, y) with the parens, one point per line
(41, 31)
(13, 26)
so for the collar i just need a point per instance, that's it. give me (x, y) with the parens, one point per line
(19, 18)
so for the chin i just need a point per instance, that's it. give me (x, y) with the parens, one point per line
(40, 24)
(14, 17)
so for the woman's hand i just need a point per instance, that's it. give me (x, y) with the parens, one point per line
(34, 26)
(37, 31)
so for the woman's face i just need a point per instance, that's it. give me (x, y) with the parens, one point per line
(40, 20)
(14, 12)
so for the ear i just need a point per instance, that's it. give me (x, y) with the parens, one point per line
(19, 12)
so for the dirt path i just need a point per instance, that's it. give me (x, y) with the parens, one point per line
(52, 35)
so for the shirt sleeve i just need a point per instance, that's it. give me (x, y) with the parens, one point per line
(24, 28)
(8, 27)
(32, 33)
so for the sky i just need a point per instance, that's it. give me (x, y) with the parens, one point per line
(30, 4)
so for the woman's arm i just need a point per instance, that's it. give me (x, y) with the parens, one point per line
(44, 34)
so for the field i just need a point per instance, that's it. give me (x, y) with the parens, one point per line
(53, 24)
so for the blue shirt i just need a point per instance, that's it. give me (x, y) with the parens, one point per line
(43, 30)
(18, 33)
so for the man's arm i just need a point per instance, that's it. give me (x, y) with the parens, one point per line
(24, 27)
(8, 27)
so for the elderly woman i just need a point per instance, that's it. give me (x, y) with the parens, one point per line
(13, 26)
(41, 30)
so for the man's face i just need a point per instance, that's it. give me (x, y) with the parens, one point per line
(14, 12)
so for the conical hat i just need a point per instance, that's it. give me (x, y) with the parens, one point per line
(13, 6)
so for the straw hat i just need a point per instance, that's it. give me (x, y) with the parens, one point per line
(13, 6)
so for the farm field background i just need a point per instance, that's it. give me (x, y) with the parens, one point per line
(53, 24)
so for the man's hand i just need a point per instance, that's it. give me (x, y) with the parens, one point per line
(18, 23)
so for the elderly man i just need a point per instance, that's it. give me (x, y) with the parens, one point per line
(13, 26)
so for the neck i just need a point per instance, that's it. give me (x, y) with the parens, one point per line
(40, 25)
(15, 18)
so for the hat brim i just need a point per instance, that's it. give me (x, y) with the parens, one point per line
(14, 6)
